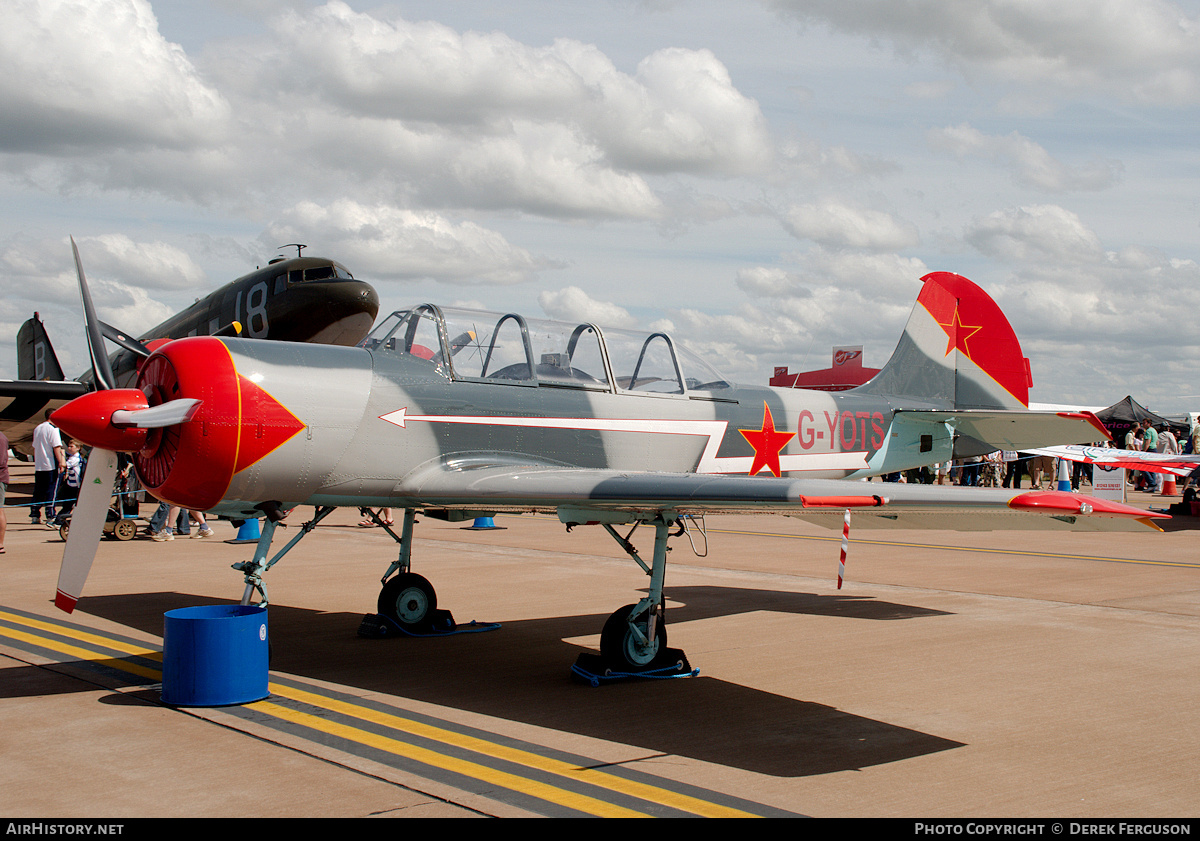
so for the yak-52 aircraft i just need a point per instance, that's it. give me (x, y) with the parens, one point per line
(460, 413)
(302, 299)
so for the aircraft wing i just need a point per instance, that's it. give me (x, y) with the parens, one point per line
(602, 495)
(43, 390)
(1180, 465)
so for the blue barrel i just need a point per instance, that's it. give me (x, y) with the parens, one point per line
(215, 655)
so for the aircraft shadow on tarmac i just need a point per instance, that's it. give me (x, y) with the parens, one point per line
(520, 673)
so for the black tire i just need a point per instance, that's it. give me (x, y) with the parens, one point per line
(408, 600)
(124, 530)
(620, 647)
(64, 530)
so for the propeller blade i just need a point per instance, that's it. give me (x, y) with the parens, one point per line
(164, 414)
(128, 342)
(100, 367)
(87, 524)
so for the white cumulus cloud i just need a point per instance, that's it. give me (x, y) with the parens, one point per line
(836, 225)
(573, 304)
(1035, 232)
(1031, 165)
(1138, 50)
(89, 74)
(381, 241)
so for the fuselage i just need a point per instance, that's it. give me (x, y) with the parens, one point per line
(303, 299)
(433, 387)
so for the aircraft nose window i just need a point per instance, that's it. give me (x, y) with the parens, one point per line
(319, 273)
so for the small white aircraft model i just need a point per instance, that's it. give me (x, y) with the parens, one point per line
(1180, 465)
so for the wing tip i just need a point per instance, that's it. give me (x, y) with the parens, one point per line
(1071, 503)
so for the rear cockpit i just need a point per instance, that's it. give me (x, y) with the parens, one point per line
(479, 346)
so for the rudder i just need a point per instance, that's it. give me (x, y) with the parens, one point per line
(957, 351)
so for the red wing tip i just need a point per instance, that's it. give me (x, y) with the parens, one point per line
(1070, 503)
(64, 601)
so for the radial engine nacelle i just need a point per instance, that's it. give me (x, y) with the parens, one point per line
(192, 423)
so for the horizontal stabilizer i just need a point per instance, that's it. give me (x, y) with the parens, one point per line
(36, 389)
(1007, 430)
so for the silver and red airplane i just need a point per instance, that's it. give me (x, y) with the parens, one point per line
(460, 413)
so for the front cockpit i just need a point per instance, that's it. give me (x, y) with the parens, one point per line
(479, 346)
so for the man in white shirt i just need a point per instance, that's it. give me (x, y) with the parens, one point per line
(48, 462)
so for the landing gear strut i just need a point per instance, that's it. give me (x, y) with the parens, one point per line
(254, 568)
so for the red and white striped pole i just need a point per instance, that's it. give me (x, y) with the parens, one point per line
(845, 545)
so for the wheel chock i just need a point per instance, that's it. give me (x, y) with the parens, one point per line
(594, 670)
(376, 626)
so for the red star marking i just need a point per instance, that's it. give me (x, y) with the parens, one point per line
(767, 443)
(958, 333)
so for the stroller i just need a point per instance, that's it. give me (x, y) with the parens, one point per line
(121, 521)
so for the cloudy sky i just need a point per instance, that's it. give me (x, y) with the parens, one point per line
(765, 178)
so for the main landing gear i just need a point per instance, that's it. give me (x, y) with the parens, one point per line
(407, 602)
(634, 639)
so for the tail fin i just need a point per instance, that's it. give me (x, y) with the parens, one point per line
(958, 351)
(35, 355)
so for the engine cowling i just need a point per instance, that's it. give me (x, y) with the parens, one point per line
(191, 463)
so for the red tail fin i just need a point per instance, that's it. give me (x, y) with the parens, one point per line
(958, 351)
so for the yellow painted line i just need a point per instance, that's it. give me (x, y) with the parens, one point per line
(543, 791)
(83, 636)
(82, 653)
(592, 777)
(961, 548)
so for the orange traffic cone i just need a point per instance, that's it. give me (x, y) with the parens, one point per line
(1168, 488)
